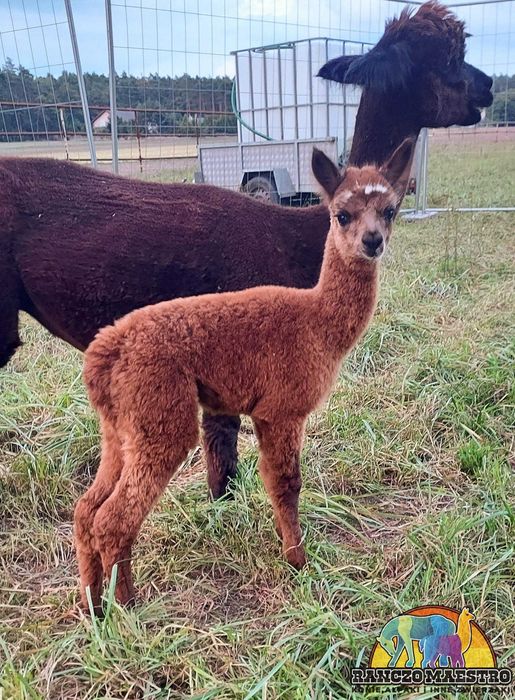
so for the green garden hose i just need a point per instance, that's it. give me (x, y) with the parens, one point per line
(240, 118)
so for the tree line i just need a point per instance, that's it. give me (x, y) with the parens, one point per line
(183, 105)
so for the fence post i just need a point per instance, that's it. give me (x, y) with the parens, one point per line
(421, 194)
(420, 211)
(112, 87)
(80, 79)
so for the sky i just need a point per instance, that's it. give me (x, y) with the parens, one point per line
(171, 37)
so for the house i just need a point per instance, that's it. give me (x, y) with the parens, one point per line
(104, 118)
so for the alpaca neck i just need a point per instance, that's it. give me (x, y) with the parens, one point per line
(464, 633)
(346, 297)
(384, 120)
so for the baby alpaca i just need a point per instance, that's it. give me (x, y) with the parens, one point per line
(272, 353)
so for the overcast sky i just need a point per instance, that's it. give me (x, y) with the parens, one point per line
(196, 36)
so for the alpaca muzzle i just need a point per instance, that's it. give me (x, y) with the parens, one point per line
(373, 244)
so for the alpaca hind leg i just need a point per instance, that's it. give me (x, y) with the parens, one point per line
(279, 465)
(220, 439)
(153, 451)
(90, 564)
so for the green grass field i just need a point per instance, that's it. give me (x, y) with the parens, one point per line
(408, 499)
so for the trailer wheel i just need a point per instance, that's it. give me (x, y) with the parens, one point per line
(263, 188)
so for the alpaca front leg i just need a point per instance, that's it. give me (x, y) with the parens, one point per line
(220, 439)
(279, 466)
(398, 651)
(109, 470)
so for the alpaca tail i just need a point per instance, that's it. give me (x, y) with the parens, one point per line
(100, 358)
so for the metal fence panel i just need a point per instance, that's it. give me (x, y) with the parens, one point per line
(172, 65)
(43, 100)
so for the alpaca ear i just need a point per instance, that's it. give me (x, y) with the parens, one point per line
(383, 68)
(336, 69)
(326, 172)
(397, 169)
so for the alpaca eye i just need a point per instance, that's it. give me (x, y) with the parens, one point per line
(343, 218)
(389, 213)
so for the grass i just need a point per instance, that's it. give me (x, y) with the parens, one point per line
(408, 499)
(480, 174)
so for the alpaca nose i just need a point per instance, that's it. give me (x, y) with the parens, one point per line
(373, 243)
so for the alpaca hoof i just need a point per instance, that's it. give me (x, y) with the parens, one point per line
(98, 610)
(221, 494)
(129, 602)
(97, 605)
(124, 593)
(295, 557)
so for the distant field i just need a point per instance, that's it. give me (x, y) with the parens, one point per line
(408, 497)
(151, 147)
(459, 159)
(158, 154)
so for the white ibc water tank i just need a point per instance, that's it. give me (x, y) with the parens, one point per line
(279, 95)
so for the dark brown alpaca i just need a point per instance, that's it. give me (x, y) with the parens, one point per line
(79, 248)
(414, 76)
(272, 353)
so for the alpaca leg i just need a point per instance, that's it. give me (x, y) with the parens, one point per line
(152, 453)
(220, 438)
(411, 654)
(279, 466)
(9, 302)
(398, 651)
(90, 565)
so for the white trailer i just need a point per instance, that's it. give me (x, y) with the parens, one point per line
(283, 110)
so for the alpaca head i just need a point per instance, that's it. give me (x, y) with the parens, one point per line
(387, 644)
(420, 60)
(466, 615)
(363, 202)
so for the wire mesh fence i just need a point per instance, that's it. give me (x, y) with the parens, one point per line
(457, 153)
(176, 89)
(202, 44)
(43, 102)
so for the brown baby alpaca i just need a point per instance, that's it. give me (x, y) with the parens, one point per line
(272, 353)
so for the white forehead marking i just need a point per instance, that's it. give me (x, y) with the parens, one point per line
(375, 187)
(345, 195)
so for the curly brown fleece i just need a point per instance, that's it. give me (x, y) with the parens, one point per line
(272, 353)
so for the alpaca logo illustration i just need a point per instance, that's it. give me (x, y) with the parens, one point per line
(440, 638)
(432, 645)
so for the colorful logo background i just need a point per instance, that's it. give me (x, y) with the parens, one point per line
(479, 655)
